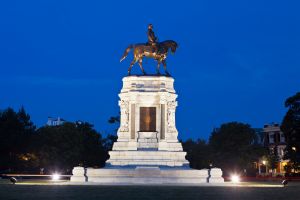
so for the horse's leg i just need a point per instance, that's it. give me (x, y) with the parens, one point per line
(165, 67)
(157, 68)
(141, 66)
(131, 64)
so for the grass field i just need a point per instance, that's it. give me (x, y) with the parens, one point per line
(91, 192)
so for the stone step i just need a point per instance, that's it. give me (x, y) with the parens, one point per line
(147, 145)
(162, 158)
(147, 163)
(148, 140)
(148, 135)
(146, 175)
(148, 153)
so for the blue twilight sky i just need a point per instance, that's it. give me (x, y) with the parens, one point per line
(237, 61)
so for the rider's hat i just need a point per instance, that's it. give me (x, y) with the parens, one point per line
(150, 26)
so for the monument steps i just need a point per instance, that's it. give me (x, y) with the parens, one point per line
(167, 158)
(147, 175)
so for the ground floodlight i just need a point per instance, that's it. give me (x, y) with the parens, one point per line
(235, 178)
(55, 177)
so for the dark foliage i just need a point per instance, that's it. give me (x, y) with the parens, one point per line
(234, 147)
(54, 148)
(68, 145)
(198, 153)
(273, 158)
(16, 131)
(291, 128)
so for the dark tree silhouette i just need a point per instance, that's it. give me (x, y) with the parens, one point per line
(273, 158)
(198, 153)
(68, 145)
(16, 132)
(234, 147)
(291, 129)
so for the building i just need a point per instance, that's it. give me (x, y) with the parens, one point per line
(55, 121)
(274, 139)
(259, 132)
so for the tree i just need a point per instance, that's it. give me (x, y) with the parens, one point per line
(68, 145)
(111, 138)
(198, 153)
(291, 128)
(108, 142)
(114, 119)
(234, 147)
(273, 158)
(16, 131)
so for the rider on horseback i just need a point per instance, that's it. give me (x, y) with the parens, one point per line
(152, 39)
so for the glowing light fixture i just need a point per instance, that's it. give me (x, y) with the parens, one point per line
(294, 148)
(264, 162)
(235, 178)
(55, 177)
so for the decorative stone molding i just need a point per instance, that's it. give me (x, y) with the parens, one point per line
(171, 107)
(124, 106)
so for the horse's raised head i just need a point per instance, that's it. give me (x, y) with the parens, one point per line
(174, 46)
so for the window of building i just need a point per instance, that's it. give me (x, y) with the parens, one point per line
(271, 138)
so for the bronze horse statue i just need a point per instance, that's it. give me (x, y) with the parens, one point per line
(157, 51)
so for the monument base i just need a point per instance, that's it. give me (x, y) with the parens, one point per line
(147, 157)
(147, 150)
(140, 175)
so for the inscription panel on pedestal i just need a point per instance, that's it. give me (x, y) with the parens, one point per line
(147, 119)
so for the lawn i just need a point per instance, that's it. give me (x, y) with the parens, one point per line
(91, 192)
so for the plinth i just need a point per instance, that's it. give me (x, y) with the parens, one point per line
(147, 149)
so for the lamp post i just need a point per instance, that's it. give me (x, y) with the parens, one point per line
(263, 162)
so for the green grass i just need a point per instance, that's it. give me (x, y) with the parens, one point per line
(95, 192)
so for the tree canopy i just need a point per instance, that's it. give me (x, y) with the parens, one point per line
(16, 131)
(198, 153)
(234, 147)
(291, 128)
(54, 148)
(69, 145)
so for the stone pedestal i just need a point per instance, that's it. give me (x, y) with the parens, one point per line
(147, 175)
(147, 133)
(79, 174)
(147, 149)
(215, 175)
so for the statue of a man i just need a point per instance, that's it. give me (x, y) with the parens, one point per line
(152, 39)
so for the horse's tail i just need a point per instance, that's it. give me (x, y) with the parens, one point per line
(126, 52)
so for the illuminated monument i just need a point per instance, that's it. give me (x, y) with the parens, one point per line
(147, 150)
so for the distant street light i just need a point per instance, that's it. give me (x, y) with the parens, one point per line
(264, 162)
(294, 148)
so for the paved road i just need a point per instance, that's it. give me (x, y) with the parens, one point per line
(95, 192)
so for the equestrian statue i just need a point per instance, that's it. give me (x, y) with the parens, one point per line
(152, 49)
